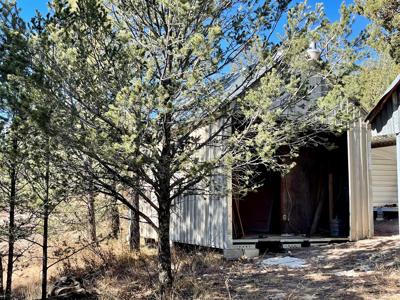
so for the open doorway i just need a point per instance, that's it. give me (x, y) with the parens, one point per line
(311, 201)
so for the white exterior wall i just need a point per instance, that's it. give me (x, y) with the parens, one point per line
(384, 176)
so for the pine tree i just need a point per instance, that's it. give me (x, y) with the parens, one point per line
(148, 88)
(13, 63)
(384, 30)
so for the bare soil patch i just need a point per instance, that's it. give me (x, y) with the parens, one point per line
(386, 227)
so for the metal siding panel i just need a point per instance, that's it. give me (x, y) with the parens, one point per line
(218, 212)
(366, 182)
(180, 220)
(398, 170)
(190, 205)
(356, 160)
(363, 173)
(203, 220)
(200, 220)
(357, 165)
(350, 139)
(185, 220)
(195, 204)
(397, 114)
(369, 184)
(359, 182)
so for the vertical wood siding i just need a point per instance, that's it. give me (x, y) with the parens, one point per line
(387, 122)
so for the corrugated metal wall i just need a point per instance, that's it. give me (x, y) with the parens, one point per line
(384, 176)
(360, 189)
(201, 216)
(202, 219)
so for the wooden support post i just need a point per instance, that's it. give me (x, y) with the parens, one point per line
(331, 204)
(398, 175)
(320, 205)
(284, 212)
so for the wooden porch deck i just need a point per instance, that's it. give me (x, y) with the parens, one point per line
(288, 239)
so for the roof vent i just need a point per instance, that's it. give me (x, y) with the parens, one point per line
(313, 52)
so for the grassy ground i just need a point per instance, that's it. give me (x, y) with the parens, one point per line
(367, 269)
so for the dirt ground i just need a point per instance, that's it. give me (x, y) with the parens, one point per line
(387, 227)
(368, 269)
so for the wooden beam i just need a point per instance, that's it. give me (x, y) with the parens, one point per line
(320, 205)
(383, 141)
(283, 201)
(331, 204)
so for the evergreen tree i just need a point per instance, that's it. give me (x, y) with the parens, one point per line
(150, 87)
(384, 35)
(14, 62)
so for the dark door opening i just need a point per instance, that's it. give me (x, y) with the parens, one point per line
(312, 200)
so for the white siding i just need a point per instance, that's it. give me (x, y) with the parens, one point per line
(360, 193)
(384, 176)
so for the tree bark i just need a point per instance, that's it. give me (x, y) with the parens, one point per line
(114, 218)
(164, 250)
(11, 226)
(1, 276)
(91, 215)
(134, 227)
(45, 230)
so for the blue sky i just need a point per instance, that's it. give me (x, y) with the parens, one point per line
(29, 7)
(332, 8)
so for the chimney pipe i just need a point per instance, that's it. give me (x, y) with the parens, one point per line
(313, 52)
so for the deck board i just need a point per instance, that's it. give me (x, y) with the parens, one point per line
(289, 239)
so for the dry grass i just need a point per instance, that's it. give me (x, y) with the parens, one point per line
(27, 282)
(363, 270)
(113, 272)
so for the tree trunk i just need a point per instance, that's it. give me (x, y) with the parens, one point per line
(164, 251)
(45, 230)
(91, 215)
(114, 219)
(134, 227)
(1, 276)
(11, 226)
